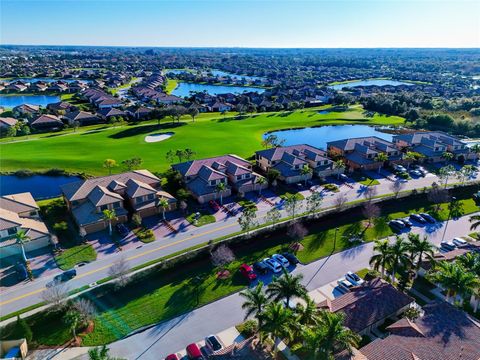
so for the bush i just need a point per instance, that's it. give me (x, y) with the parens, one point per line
(24, 329)
(136, 220)
(372, 274)
(60, 227)
(145, 235)
(331, 187)
(248, 328)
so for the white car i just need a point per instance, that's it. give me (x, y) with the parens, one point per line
(354, 278)
(273, 265)
(448, 245)
(459, 241)
(400, 168)
(281, 259)
(344, 285)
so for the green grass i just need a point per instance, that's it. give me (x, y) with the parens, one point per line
(363, 272)
(74, 255)
(171, 85)
(204, 219)
(209, 135)
(144, 235)
(361, 178)
(247, 204)
(474, 235)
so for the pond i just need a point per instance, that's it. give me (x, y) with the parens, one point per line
(47, 80)
(41, 186)
(319, 136)
(371, 82)
(11, 101)
(183, 89)
(235, 76)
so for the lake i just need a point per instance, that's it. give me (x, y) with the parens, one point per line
(371, 82)
(319, 136)
(235, 76)
(47, 80)
(183, 89)
(11, 101)
(41, 186)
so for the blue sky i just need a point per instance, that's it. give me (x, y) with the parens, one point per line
(247, 23)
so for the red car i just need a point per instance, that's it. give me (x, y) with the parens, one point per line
(193, 352)
(247, 272)
(214, 205)
(172, 357)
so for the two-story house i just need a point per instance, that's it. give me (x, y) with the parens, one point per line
(21, 212)
(202, 177)
(433, 144)
(362, 153)
(290, 160)
(137, 191)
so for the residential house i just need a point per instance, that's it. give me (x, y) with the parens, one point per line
(367, 306)
(433, 144)
(107, 113)
(39, 86)
(361, 153)
(221, 107)
(46, 121)
(60, 108)
(21, 212)
(289, 161)
(166, 99)
(16, 87)
(137, 191)
(26, 110)
(83, 117)
(441, 332)
(140, 113)
(201, 177)
(6, 123)
(58, 87)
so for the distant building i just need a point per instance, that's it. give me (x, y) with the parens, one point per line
(46, 122)
(83, 117)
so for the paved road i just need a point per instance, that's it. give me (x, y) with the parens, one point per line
(28, 293)
(174, 335)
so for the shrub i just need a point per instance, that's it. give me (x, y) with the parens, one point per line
(136, 220)
(24, 329)
(60, 227)
(248, 328)
(331, 187)
(371, 274)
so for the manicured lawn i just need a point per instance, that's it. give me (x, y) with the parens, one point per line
(171, 85)
(74, 255)
(204, 219)
(363, 179)
(144, 235)
(210, 135)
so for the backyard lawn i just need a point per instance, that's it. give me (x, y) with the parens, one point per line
(210, 135)
(74, 255)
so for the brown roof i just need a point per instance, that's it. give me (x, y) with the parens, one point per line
(193, 167)
(444, 333)
(9, 121)
(18, 203)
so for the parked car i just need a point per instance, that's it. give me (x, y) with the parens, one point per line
(122, 229)
(260, 267)
(448, 245)
(273, 265)
(344, 285)
(247, 272)
(424, 172)
(214, 205)
(292, 259)
(172, 357)
(459, 241)
(399, 168)
(406, 222)
(213, 343)
(429, 218)
(415, 167)
(418, 218)
(193, 352)
(354, 278)
(21, 271)
(416, 173)
(65, 276)
(396, 225)
(281, 259)
(343, 177)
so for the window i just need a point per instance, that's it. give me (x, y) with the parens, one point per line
(116, 205)
(151, 196)
(103, 207)
(33, 213)
(12, 231)
(436, 148)
(247, 176)
(239, 177)
(212, 182)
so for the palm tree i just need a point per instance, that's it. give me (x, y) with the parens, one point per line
(286, 287)
(410, 156)
(220, 189)
(261, 181)
(476, 149)
(276, 324)
(305, 171)
(337, 165)
(255, 301)
(307, 314)
(475, 219)
(163, 204)
(419, 248)
(399, 256)
(22, 237)
(448, 156)
(382, 256)
(470, 261)
(381, 158)
(454, 279)
(100, 353)
(71, 319)
(109, 215)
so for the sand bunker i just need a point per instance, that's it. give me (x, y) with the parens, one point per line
(158, 137)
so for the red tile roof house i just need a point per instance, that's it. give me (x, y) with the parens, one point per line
(60, 107)
(368, 306)
(201, 177)
(7, 122)
(21, 212)
(46, 121)
(107, 113)
(136, 191)
(83, 117)
(361, 153)
(289, 161)
(26, 110)
(442, 333)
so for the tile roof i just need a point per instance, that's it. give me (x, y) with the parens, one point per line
(190, 168)
(9, 121)
(276, 153)
(18, 203)
(138, 188)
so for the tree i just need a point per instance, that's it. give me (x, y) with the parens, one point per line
(220, 189)
(273, 216)
(109, 164)
(75, 125)
(11, 131)
(448, 156)
(314, 202)
(24, 329)
(137, 220)
(21, 238)
(260, 182)
(170, 156)
(381, 257)
(455, 208)
(396, 187)
(113, 121)
(340, 201)
(337, 166)
(272, 176)
(412, 314)
(454, 279)
(56, 296)
(381, 158)
(85, 309)
(398, 258)
(26, 130)
(183, 206)
(163, 205)
(419, 248)
(475, 219)
(370, 211)
(132, 164)
(307, 315)
(119, 271)
(189, 154)
(444, 174)
(109, 216)
(222, 256)
(297, 232)
(305, 171)
(410, 156)
(100, 353)
(465, 173)
(437, 195)
(276, 324)
(369, 193)
(285, 287)
(193, 112)
(255, 301)
(71, 319)
(247, 219)
(180, 154)
(291, 205)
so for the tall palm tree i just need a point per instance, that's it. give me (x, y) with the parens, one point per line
(22, 237)
(261, 181)
(382, 256)
(337, 165)
(448, 156)
(109, 216)
(470, 261)
(285, 287)
(419, 248)
(276, 324)
(381, 158)
(399, 256)
(255, 301)
(475, 219)
(410, 156)
(305, 316)
(220, 189)
(305, 171)
(163, 204)
(454, 279)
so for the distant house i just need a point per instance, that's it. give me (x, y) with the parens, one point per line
(167, 99)
(426, 265)
(221, 107)
(39, 86)
(140, 113)
(58, 87)
(442, 332)
(289, 161)
(21, 212)
(60, 107)
(7, 122)
(368, 306)
(16, 87)
(26, 110)
(83, 117)
(201, 177)
(107, 113)
(46, 121)
(136, 191)
(433, 144)
(361, 153)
